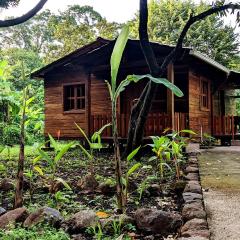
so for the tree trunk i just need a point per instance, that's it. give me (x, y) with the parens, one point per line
(19, 186)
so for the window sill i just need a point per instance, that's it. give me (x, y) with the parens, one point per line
(74, 111)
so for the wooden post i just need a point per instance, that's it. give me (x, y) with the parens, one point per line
(170, 96)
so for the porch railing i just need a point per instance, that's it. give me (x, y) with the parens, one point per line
(155, 125)
(225, 125)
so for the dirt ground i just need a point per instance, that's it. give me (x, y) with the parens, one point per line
(220, 177)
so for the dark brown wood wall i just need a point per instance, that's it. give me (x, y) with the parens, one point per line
(197, 117)
(55, 118)
(100, 98)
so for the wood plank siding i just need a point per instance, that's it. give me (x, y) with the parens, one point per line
(55, 117)
(198, 117)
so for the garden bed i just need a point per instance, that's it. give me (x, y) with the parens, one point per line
(146, 193)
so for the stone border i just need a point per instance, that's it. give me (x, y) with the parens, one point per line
(194, 214)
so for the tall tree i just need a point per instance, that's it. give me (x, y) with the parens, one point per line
(76, 27)
(211, 36)
(34, 35)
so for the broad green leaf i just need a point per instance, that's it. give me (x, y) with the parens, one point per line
(63, 151)
(163, 81)
(53, 143)
(29, 100)
(45, 156)
(134, 168)
(65, 184)
(168, 156)
(175, 147)
(188, 131)
(39, 170)
(97, 135)
(117, 55)
(36, 159)
(83, 133)
(89, 156)
(133, 154)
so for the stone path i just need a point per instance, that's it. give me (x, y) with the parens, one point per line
(220, 177)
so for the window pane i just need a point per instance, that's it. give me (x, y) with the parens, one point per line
(74, 97)
(80, 90)
(80, 103)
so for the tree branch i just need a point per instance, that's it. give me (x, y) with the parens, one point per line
(193, 19)
(23, 18)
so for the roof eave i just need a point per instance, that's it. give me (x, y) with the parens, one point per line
(209, 61)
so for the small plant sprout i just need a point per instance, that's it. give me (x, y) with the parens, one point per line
(178, 143)
(53, 161)
(30, 173)
(131, 169)
(94, 143)
(161, 148)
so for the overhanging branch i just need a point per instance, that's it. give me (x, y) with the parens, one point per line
(23, 18)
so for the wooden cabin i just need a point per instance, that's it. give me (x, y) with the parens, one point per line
(76, 91)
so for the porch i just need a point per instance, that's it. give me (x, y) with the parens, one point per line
(226, 126)
(155, 125)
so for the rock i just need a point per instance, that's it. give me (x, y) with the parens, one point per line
(193, 238)
(157, 221)
(193, 210)
(192, 161)
(6, 185)
(78, 237)
(106, 189)
(2, 211)
(205, 234)
(155, 190)
(192, 197)
(192, 225)
(80, 221)
(44, 215)
(88, 183)
(12, 217)
(193, 186)
(191, 169)
(192, 176)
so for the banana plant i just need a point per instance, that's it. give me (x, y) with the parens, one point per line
(161, 148)
(94, 143)
(115, 91)
(53, 161)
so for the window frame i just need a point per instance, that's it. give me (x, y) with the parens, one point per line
(205, 95)
(73, 111)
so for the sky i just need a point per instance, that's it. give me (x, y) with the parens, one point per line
(113, 10)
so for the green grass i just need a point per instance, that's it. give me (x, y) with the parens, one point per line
(14, 151)
(34, 233)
